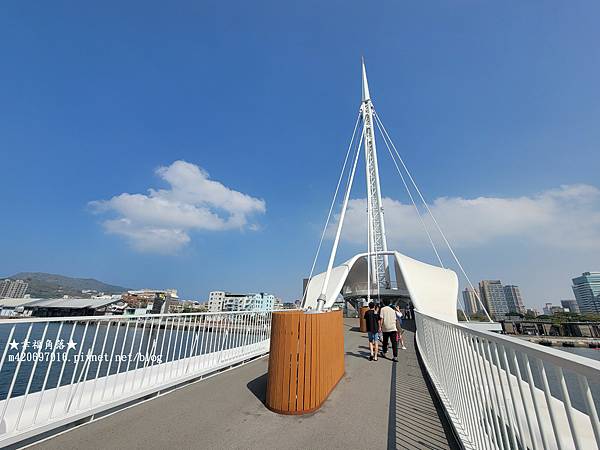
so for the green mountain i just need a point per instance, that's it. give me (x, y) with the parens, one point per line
(47, 285)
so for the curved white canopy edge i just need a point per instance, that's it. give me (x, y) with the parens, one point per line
(433, 290)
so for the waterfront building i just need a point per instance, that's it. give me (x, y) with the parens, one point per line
(155, 301)
(587, 292)
(514, 300)
(470, 301)
(215, 301)
(13, 288)
(58, 307)
(228, 301)
(571, 305)
(493, 298)
(248, 302)
(234, 302)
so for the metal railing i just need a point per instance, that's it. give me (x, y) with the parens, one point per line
(57, 371)
(504, 393)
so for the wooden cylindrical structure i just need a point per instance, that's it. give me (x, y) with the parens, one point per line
(306, 360)
(361, 317)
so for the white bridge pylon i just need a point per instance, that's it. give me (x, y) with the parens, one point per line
(433, 290)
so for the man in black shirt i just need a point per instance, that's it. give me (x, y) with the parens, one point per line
(373, 322)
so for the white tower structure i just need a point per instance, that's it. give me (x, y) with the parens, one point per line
(377, 244)
(432, 290)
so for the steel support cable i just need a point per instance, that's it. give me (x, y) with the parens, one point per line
(369, 249)
(322, 296)
(412, 199)
(432, 216)
(331, 206)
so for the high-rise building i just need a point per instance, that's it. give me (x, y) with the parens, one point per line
(492, 295)
(571, 305)
(470, 301)
(587, 292)
(13, 288)
(304, 285)
(514, 300)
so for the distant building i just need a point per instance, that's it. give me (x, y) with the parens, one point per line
(13, 288)
(514, 300)
(248, 302)
(215, 301)
(57, 307)
(304, 285)
(571, 305)
(234, 302)
(229, 301)
(532, 312)
(492, 295)
(155, 301)
(277, 304)
(587, 292)
(550, 309)
(470, 301)
(186, 306)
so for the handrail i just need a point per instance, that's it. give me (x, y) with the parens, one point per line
(86, 365)
(590, 367)
(7, 320)
(500, 392)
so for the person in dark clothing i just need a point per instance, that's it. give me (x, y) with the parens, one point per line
(373, 323)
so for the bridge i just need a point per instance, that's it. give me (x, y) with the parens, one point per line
(370, 408)
(456, 386)
(189, 380)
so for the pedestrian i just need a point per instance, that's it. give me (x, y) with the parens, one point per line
(373, 320)
(388, 326)
(400, 334)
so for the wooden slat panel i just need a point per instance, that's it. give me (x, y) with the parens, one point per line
(306, 360)
(288, 336)
(301, 352)
(294, 319)
(314, 362)
(280, 364)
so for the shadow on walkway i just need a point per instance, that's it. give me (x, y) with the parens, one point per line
(258, 387)
(416, 418)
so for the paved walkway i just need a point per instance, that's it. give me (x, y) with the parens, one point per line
(377, 405)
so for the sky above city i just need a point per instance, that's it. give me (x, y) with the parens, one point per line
(197, 145)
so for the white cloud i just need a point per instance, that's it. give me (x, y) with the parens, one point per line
(161, 221)
(566, 217)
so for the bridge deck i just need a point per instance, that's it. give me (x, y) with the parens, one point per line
(376, 405)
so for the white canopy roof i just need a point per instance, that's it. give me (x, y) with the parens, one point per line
(432, 290)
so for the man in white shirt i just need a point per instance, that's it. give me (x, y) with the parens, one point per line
(388, 327)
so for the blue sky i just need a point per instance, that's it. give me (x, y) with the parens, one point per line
(491, 101)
